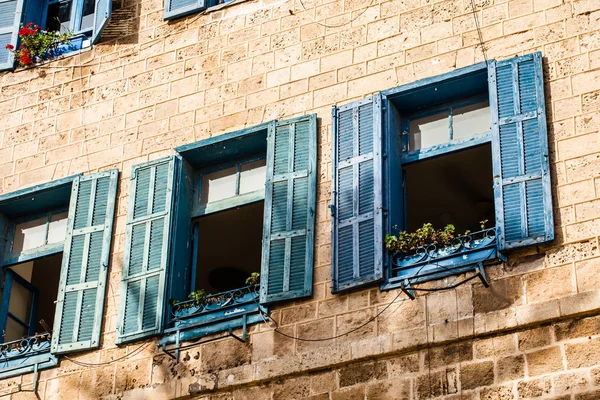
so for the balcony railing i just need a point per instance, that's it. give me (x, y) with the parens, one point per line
(26, 355)
(220, 312)
(465, 253)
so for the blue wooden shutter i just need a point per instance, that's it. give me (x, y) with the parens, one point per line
(101, 16)
(357, 216)
(10, 18)
(179, 8)
(522, 192)
(146, 254)
(290, 196)
(84, 271)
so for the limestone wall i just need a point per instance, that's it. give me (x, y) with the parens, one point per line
(133, 98)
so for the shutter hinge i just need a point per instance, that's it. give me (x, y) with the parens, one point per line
(332, 209)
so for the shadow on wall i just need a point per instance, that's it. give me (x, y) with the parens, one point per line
(123, 23)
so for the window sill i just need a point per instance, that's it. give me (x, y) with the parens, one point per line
(217, 313)
(431, 263)
(26, 355)
(78, 44)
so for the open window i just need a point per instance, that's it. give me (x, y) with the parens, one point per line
(463, 163)
(231, 229)
(85, 18)
(54, 268)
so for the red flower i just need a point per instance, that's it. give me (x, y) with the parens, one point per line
(29, 25)
(25, 59)
(37, 27)
(20, 47)
(25, 51)
(10, 47)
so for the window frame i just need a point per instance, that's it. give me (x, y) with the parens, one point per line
(199, 209)
(36, 252)
(396, 143)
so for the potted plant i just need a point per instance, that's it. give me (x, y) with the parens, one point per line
(37, 45)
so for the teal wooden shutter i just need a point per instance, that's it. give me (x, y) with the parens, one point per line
(357, 216)
(78, 320)
(522, 192)
(146, 254)
(10, 18)
(289, 218)
(179, 8)
(101, 16)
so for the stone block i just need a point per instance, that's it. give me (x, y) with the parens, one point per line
(534, 387)
(584, 354)
(534, 338)
(545, 361)
(510, 368)
(360, 373)
(224, 354)
(391, 389)
(356, 392)
(476, 375)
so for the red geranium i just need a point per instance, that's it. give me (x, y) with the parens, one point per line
(10, 47)
(25, 59)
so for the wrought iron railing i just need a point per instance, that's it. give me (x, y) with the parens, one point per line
(25, 347)
(465, 250)
(191, 308)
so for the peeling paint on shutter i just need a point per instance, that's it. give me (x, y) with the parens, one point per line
(290, 201)
(357, 216)
(523, 197)
(84, 272)
(146, 255)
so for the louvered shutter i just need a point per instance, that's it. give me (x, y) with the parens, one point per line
(522, 192)
(179, 8)
(289, 217)
(84, 271)
(10, 17)
(357, 217)
(101, 16)
(146, 254)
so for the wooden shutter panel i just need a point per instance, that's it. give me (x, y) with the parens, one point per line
(78, 320)
(290, 196)
(10, 18)
(179, 8)
(357, 232)
(101, 16)
(522, 192)
(146, 254)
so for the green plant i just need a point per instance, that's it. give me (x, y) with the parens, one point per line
(407, 243)
(37, 44)
(253, 279)
(198, 296)
(482, 224)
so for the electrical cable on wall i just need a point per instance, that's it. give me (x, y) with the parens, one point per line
(483, 50)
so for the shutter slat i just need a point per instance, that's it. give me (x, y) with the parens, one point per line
(179, 8)
(357, 252)
(78, 319)
(147, 244)
(287, 262)
(10, 18)
(523, 198)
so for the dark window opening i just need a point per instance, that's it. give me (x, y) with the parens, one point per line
(455, 188)
(39, 276)
(229, 247)
(59, 16)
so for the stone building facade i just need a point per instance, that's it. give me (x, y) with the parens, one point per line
(151, 85)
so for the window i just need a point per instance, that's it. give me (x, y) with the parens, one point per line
(459, 148)
(179, 8)
(54, 269)
(203, 222)
(85, 18)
